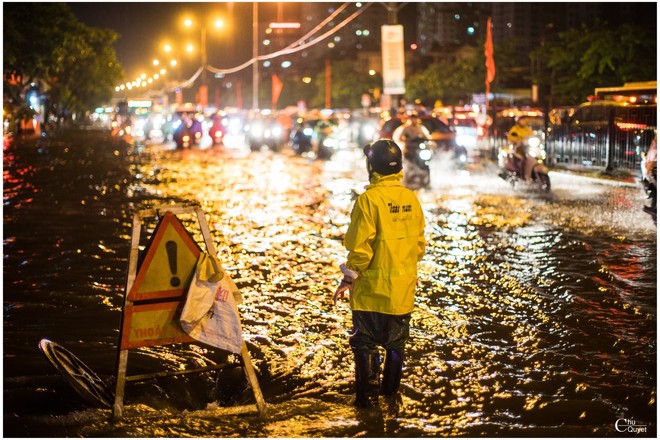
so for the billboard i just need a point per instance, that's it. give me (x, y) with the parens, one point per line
(394, 67)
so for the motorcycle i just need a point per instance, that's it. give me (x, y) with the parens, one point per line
(187, 133)
(325, 140)
(261, 133)
(417, 155)
(301, 142)
(649, 170)
(121, 127)
(511, 163)
(217, 130)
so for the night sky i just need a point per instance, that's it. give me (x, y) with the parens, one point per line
(144, 26)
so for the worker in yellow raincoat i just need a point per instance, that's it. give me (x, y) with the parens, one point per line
(385, 241)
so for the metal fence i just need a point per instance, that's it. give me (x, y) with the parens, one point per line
(603, 138)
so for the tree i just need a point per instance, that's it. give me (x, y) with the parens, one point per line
(72, 65)
(346, 85)
(589, 57)
(455, 79)
(86, 72)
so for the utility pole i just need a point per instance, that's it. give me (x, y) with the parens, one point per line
(255, 54)
(393, 9)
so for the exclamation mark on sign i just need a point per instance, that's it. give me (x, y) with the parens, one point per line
(170, 246)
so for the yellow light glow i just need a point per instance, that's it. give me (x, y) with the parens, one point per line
(167, 48)
(163, 71)
(143, 76)
(372, 72)
(156, 62)
(187, 22)
(219, 23)
(190, 48)
(173, 63)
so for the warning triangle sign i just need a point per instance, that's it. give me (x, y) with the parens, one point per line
(169, 262)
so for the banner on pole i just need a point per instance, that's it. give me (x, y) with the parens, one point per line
(276, 89)
(488, 52)
(394, 66)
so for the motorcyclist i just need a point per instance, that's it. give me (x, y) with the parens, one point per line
(517, 136)
(649, 174)
(385, 241)
(324, 129)
(410, 130)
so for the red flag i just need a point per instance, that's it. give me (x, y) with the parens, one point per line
(488, 51)
(277, 89)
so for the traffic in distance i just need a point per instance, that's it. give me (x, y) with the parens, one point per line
(614, 130)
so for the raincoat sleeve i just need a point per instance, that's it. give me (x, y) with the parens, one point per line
(359, 236)
(421, 245)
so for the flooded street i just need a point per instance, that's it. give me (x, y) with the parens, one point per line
(535, 314)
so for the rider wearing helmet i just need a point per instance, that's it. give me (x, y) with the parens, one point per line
(410, 130)
(385, 241)
(517, 136)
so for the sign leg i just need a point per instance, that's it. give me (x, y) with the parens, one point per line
(252, 379)
(118, 407)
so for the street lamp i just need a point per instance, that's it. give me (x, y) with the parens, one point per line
(218, 24)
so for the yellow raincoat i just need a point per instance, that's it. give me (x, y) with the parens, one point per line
(385, 241)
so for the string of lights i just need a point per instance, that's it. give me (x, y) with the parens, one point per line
(294, 47)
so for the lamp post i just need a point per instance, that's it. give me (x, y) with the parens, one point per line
(255, 54)
(203, 93)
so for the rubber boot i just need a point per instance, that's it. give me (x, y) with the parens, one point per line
(367, 372)
(392, 372)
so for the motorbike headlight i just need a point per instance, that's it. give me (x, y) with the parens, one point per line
(329, 142)
(176, 124)
(308, 131)
(276, 131)
(425, 154)
(534, 142)
(368, 131)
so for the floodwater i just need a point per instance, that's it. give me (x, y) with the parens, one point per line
(535, 316)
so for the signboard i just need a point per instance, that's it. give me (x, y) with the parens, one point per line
(169, 263)
(152, 324)
(394, 67)
(156, 289)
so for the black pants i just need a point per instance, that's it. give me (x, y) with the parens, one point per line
(373, 329)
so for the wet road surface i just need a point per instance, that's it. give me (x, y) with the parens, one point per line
(536, 314)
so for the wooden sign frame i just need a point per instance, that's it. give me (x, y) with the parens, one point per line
(167, 303)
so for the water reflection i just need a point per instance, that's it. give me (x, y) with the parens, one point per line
(536, 316)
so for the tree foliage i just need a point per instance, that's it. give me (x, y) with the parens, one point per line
(347, 85)
(45, 47)
(454, 80)
(589, 57)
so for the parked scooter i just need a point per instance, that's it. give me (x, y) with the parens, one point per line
(525, 158)
(416, 158)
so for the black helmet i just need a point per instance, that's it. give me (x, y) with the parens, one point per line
(384, 157)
